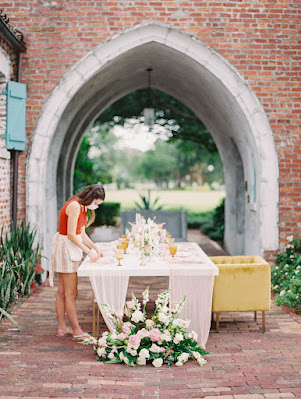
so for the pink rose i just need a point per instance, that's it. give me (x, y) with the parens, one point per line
(154, 334)
(143, 333)
(121, 336)
(134, 341)
(130, 304)
(127, 327)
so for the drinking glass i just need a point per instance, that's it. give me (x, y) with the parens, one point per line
(173, 250)
(119, 255)
(121, 246)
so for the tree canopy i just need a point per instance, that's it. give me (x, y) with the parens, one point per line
(174, 116)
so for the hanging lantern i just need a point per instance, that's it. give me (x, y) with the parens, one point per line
(149, 111)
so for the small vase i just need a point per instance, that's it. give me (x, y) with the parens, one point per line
(144, 258)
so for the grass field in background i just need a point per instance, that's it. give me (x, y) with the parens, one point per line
(193, 201)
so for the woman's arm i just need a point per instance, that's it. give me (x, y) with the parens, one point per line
(73, 211)
(87, 240)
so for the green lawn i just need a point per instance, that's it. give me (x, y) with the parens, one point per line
(193, 201)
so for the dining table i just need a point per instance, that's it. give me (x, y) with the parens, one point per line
(191, 274)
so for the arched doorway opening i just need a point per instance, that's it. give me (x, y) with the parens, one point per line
(190, 71)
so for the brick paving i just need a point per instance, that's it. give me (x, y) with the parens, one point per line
(243, 363)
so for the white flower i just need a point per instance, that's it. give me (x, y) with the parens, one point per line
(111, 355)
(276, 268)
(166, 336)
(145, 296)
(92, 341)
(141, 361)
(157, 362)
(275, 274)
(298, 267)
(133, 352)
(178, 338)
(183, 357)
(196, 355)
(137, 316)
(275, 286)
(162, 317)
(101, 352)
(282, 293)
(144, 353)
(185, 324)
(124, 358)
(297, 296)
(149, 324)
(179, 364)
(102, 341)
(193, 335)
(165, 309)
(156, 349)
(296, 271)
(290, 238)
(202, 361)
(289, 291)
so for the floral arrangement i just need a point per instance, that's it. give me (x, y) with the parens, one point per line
(146, 235)
(286, 275)
(158, 340)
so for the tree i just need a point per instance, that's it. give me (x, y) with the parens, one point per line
(84, 174)
(159, 164)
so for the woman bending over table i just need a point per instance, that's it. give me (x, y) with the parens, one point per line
(68, 246)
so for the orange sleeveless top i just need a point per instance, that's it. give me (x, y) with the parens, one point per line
(63, 219)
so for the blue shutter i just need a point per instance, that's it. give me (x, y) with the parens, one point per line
(15, 116)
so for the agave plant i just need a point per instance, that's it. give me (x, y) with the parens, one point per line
(18, 266)
(147, 203)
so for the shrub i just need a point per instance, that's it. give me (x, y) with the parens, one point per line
(286, 275)
(213, 223)
(19, 265)
(107, 214)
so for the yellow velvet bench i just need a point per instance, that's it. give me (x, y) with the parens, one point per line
(243, 284)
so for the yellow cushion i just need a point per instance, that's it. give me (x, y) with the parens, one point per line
(243, 284)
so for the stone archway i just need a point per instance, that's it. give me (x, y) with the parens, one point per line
(195, 74)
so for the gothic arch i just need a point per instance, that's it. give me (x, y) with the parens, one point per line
(189, 70)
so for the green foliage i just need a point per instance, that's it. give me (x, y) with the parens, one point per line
(19, 264)
(286, 275)
(148, 204)
(83, 172)
(107, 213)
(213, 223)
(95, 158)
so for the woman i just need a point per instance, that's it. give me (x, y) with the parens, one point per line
(69, 243)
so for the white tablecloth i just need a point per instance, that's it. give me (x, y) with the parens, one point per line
(190, 273)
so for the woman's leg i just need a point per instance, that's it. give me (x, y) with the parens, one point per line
(60, 309)
(70, 293)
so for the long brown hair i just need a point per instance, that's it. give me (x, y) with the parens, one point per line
(86, 197)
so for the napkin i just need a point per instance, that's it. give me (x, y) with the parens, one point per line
(188, 259)
(105, 260)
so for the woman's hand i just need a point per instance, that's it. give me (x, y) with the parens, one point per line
(99, 253)
(93, 255)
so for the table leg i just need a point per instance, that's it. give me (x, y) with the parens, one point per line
(93, 320)
(263, 321)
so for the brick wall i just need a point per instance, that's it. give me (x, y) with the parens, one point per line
(259, 38)
(7, 69)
